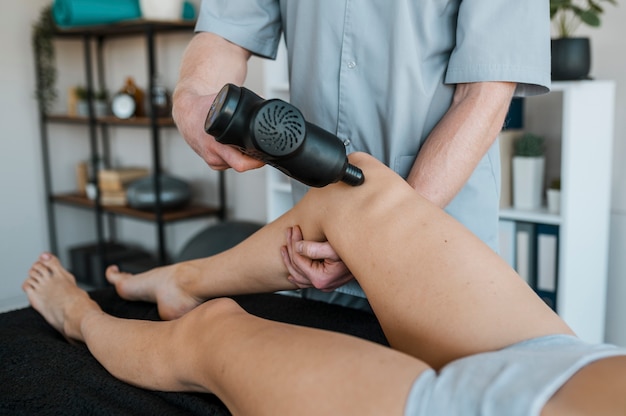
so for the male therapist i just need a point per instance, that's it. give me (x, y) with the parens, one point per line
(423, 85)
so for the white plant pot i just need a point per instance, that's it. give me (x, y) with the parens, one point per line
(528, 182)
(82, 108)
(161, 9)
(101, 108)
(553, 196)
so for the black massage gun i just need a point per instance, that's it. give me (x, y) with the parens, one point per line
(275, 132)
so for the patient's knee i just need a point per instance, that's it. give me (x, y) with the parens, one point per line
(220, 307)
(209, 314)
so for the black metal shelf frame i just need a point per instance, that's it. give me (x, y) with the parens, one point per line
(98, 35)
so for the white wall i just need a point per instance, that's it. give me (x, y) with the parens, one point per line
(23, 230)
(609, 62)
(22, 217)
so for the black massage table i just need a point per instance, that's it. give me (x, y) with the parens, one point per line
(42, 374)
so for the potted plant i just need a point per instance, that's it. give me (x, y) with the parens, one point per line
(101, 103)
(571, 56)
(553, 196)
(528, 171)
(43, 47)
(99, 100)
(82, 101)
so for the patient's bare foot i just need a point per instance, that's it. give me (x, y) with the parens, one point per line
(52, 292)
(166, 286)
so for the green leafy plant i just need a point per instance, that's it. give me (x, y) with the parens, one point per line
(82, 93)
(43, 47)
(567, 15)
(101, 95)
(529, 145)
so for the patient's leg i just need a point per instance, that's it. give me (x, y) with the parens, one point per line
(255, 266)
(438, 291)
(255, 366)
(171, 287)
(262, 367)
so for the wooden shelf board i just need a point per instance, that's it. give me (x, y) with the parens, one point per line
(189, 212)
(125, 28)
(111, 120)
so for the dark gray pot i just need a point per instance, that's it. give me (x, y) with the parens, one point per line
(571, 59)
(175, 193)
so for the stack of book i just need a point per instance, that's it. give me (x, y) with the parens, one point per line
(113, 183)
(532, 249)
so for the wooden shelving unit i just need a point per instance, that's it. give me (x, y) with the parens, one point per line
(96, 132)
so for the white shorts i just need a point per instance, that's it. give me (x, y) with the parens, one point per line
(515, 381)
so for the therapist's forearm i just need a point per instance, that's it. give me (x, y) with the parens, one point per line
(460, 140)
(208, 63)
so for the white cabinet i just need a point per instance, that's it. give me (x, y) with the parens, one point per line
(576, 119)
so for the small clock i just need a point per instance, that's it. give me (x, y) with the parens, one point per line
(123, 105)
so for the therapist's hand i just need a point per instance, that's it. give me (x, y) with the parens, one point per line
(189, 112)
(209, 62)
(313, 264)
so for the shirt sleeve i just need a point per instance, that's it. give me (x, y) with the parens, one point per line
(252, 24)
(503, 40)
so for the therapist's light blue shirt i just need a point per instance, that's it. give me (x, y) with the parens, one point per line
(380, 74)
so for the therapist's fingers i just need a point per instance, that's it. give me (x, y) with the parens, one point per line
(221, 157)
(288, 252)
(314, 264)
(316, 250)
(237, 160)
(295, 276)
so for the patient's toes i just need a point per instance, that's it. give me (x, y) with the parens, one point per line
(56, 269)
(28, 284)
(38, 272)
(46, 269)
(113, 274)
(51, 262)
(119, 279)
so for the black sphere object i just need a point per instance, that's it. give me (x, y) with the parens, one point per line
(174, 192)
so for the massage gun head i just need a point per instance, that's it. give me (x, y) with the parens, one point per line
(275, 132)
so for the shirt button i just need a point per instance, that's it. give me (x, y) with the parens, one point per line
(351, 65)
(346, 142)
